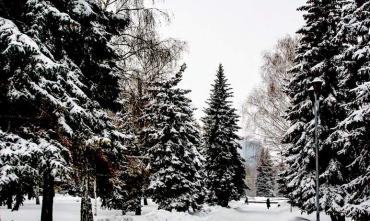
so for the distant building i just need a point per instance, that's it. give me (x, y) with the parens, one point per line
(250, 151)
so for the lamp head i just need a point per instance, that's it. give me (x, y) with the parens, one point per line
(317, 84)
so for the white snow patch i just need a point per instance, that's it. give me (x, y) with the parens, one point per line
(68, 208)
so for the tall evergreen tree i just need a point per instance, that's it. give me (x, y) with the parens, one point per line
(351, 136)
(224, 166)
(59, 77)
(127, 185)
(32, 92)
(315, 55)
(172, 139)
(265, 182)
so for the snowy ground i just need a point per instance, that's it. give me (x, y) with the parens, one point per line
(66, 208)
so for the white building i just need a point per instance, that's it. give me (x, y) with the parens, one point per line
(250, 150)
(250, 153)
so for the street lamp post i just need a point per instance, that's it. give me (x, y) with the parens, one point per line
(316, 88)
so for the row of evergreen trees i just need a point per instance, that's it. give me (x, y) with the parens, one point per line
(186, 167)
(63, 118)
(334, 46)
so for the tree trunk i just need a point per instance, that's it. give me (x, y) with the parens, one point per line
(47, 197)
(95, 199)
(18, 202)
(86, 207)
(224, 203)
(37, 195)
(337, 218)
(138, 211)
(145, 201)
(37, 200)
(9, 202)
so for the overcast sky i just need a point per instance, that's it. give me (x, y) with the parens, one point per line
(233, 32)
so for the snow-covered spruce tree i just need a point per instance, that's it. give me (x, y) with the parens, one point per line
(30, 95)
(58, 71)
(315, 55)
(224, 167)
(14, 171)
(265, 182)
(171, 138)
(127, 188)
(22, 162)
(351, 137)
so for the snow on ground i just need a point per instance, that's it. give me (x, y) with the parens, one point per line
(66, 208)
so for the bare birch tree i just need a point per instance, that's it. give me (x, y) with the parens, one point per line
(144, 57)
(265, 107)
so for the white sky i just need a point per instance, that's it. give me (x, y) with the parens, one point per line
(233, 32)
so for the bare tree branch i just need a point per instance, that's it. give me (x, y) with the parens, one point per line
(264, 109)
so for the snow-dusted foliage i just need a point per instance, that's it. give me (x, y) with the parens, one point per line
(314, 59)
(22, 161)
(335, 47)
(265, 182)
(38, 104)
(12, 153)
(171, 140)
(128, 184)
(80, 31)
(351, 136)
(58, 80)
(224, 167)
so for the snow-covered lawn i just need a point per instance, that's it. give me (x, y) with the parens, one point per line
(66, 208)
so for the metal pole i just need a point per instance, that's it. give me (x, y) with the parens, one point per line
(317, 105)
(96, 200)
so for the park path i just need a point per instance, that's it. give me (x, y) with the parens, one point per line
(67, 208)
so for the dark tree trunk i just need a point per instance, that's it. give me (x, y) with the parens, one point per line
(145, 201)
(37, 200)
(18, 202)
(9, 202)
(37, 195)
(86, 207)
(224, 203)
(138, 211)
(337, 218)
(47, 197)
